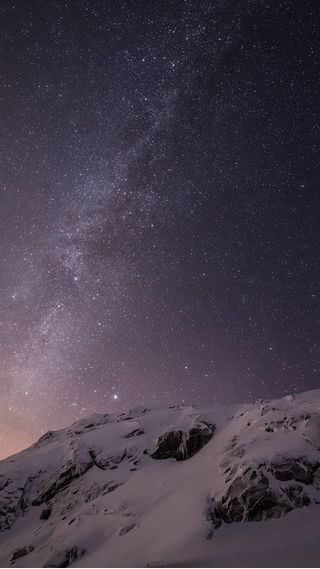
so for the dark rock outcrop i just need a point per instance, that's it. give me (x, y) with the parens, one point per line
(48, 437)
(65, 477)
(182, 445)
(134, 433)
(251, 500)
(66, 557)
(290, 469)
(45, 514)
(21, 552)
(264, 491)
(13, 500)
(105, 461)
(73, 468)
(126, 529)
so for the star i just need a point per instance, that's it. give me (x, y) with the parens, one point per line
(159, 228)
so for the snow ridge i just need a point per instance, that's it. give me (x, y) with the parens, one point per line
(156, 487)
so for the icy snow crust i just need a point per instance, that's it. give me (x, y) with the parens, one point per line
(233, 480)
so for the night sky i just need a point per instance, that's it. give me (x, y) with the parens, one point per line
(159, 206)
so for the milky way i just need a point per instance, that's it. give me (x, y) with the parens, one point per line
(159, 206)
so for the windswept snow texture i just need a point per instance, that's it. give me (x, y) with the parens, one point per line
(179, 486)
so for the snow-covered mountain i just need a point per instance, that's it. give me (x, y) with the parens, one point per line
(169, 487)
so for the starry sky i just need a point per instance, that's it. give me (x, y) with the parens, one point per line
(159, 206)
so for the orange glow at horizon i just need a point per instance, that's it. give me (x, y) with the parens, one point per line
(13, 440)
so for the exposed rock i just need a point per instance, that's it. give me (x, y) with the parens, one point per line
(10, 498)
(46, 438)
(134, 433)
(13, 501)
(4, 482)
(67, 475)
(66, 557)
(73, 469)
(300, 470)
(45, 514)
(297, 496)
(111, 462)
(311, 430)
(112, 486)
(97, 490)
(21, 552)
(247, 501)
(168, 445)
(126, 529)
(183, 445)
(139, 410)
(255, 495)
(263, 462)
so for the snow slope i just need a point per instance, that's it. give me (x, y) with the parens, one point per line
(179, 486)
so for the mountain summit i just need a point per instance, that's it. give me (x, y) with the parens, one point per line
(177, 486)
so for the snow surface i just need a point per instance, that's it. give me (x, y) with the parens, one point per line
(108, 503)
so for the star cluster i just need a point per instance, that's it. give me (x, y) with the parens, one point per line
(159, 206)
